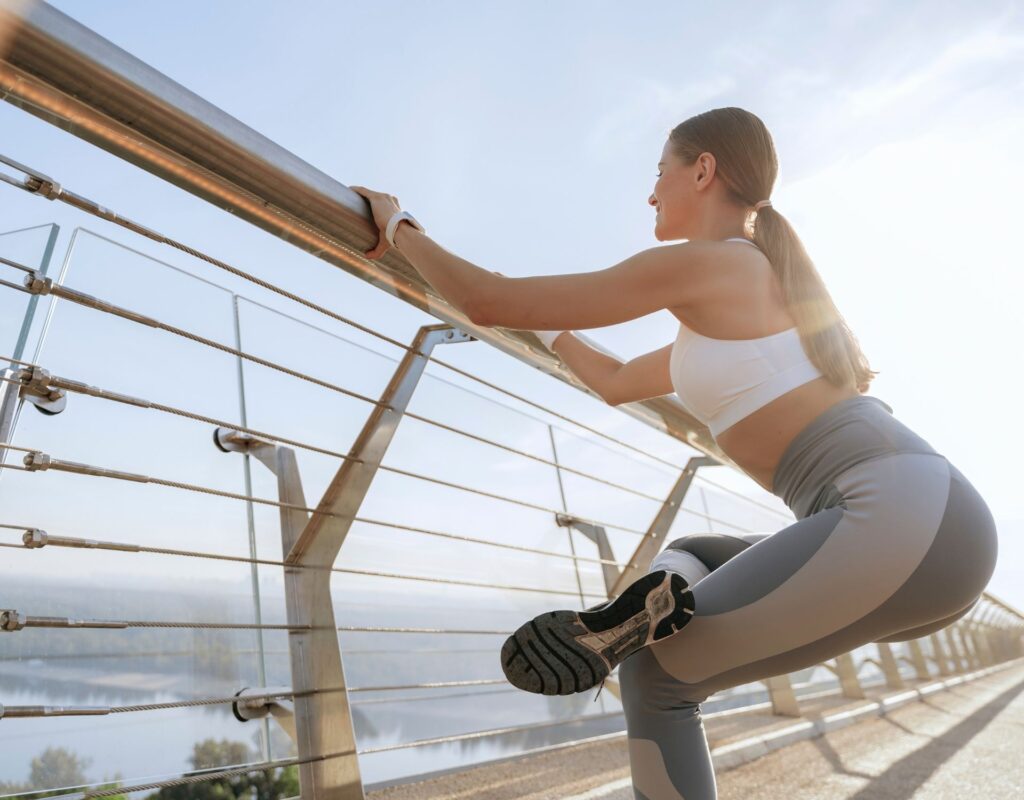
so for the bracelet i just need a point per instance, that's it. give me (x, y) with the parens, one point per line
(398, 216)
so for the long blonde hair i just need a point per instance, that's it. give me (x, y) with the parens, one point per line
(746, 162)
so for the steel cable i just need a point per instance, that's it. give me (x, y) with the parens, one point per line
(61, 383)
(205, 776)
(128, 547)
(105, 473)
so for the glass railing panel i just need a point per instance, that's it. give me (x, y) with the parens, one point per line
(31, 247)
(144, 665)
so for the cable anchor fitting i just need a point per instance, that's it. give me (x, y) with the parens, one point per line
(34, 538)
(11, 620)
(37, 389)
(38, 284)
(35, 182)
(37, 461)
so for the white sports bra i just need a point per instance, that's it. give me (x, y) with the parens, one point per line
(721, 381)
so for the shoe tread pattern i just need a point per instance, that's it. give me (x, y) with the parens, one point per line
(565, 652)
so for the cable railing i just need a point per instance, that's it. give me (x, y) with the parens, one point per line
(203, 151)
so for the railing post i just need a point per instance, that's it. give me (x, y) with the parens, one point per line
(10, 393)
(33, 300)
(846, 670)
(954, 652)
(960, 631)
(8, 405)
(654, 540)
(784, 701)
(323, 721)
(963, 630)
(918, 660)
(599, 537)
(890, 668)
(981, 634)
(939, 655)
(1000, 639)
(985, 634)
(1018, 644)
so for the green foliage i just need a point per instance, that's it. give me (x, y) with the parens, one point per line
(257, 785)
(58, 770)
(54, 769)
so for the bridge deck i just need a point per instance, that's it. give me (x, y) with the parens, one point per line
(962, 741)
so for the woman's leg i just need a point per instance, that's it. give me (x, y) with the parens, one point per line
(696, 555)
(908, 542)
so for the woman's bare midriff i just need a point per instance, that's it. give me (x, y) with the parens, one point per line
(757, 442)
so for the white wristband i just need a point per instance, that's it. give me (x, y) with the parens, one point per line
(548, 337)
(398, 216)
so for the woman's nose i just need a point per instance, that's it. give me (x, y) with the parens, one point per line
(652, 201)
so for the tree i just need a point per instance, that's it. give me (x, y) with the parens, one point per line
(57, 768)
(259, 784)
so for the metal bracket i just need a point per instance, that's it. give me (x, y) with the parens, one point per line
(281, 708)
(37, 390)
(598, 535)
(229, 440)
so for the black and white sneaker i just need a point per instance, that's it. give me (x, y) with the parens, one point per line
(564, 652)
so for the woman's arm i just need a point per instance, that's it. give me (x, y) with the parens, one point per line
(653, 279)
(596, 369)
(458, 281)
(616, 382)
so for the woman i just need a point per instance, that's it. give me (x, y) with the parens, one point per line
(891, 541)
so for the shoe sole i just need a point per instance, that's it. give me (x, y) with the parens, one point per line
(565, 652)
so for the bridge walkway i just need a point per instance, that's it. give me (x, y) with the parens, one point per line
(955, 740)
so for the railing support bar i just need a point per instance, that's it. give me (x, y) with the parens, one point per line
(654, 540)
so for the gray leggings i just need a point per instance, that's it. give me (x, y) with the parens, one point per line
(892, 543)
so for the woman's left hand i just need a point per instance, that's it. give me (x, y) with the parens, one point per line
(383, 207)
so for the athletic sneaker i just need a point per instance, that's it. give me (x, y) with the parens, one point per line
(564, 652)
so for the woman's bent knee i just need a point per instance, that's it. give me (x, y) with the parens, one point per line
(647, 688)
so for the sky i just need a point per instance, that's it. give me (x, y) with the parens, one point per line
(525, 136)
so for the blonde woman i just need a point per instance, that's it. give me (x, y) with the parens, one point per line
(891, 541)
